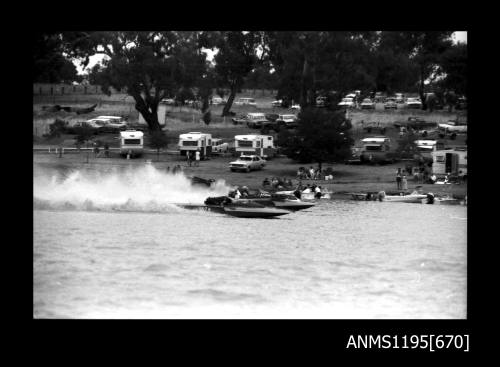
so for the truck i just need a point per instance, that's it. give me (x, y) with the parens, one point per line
(261, 145)
(131, 143)
(195, 141)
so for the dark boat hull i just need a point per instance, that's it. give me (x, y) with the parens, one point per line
(248, 212)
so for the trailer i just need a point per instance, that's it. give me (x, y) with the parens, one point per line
(195, 141)
(376, 149)
(261, 145)
(452, 161)
(424, 149)
(131, 143)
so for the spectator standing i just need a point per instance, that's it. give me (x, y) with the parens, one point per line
(197, 158)
(188, 158)
(404, 183)
(398, 178)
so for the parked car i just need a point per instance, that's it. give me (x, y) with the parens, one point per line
(414, 103)
(169, 101)
(287, 121)
(218, 101)
(461, 103)
(94, 125)
(295, 107)
(347, 102)
(219, 146)
(416, 123)
(367, 104)
(247, 163)
(400, 97)
(379, 97)
(453, 127)
(351, 95)
(277, 103)
(112, 123)
(271, 116)
(390, 104)
(370, 127)
(245, 102)
(321, 102)
(252, 120)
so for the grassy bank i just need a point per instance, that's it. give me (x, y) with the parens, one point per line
(347, 178)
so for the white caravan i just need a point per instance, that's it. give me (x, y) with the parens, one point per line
(131, 142)
(261, 145)
(193, 141)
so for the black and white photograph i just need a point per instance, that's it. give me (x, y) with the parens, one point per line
(250, 174)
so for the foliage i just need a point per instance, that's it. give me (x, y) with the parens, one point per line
(158, 140)
(49, 63)
(454, 67)
(321, 136)
(235, 59)
(406, 144)
(207, 118)
(83, 134)
(148, 65)
(57, 128)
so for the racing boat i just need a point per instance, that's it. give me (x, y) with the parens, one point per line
(290, 202)
(414, 197)
(242, 208)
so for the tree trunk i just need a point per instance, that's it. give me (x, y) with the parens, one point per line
(303, 87)
(229, 103)
(150, 113)
(422, 88)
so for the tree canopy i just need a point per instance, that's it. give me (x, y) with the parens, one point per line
(321, 136)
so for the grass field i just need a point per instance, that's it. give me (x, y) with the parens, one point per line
(347, 178)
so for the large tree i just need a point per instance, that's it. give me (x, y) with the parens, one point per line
(423, 48)
(235, 58)
(49, 63)
(148, 65)
(309, 63)
(322, 136)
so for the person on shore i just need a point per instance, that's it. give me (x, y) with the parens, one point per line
(404, 183)
(317, 192)
(398, 178)
(307, 190)
(433, 179)
(168, 169)
(188, 158)
(266, 182)
(311, 173)
(197, 158)
(106, 150)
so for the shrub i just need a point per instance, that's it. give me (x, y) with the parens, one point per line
(207, 118)
(57, 128)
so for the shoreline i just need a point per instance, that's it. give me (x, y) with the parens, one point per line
(346, 178)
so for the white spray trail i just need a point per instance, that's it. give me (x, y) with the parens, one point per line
(142, 188)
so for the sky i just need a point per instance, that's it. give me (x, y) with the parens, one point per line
(458, 36)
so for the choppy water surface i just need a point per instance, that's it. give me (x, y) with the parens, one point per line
(109, 244)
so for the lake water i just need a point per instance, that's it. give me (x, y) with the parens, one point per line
(108, 243)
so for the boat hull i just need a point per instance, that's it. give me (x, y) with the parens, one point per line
(405, 198)
(248, 212)
(292, 205)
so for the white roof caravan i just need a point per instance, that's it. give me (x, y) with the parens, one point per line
(131, 142)
(193, 141)
(450, 161)
(425, 148)
(262, 145)
(375, 149)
